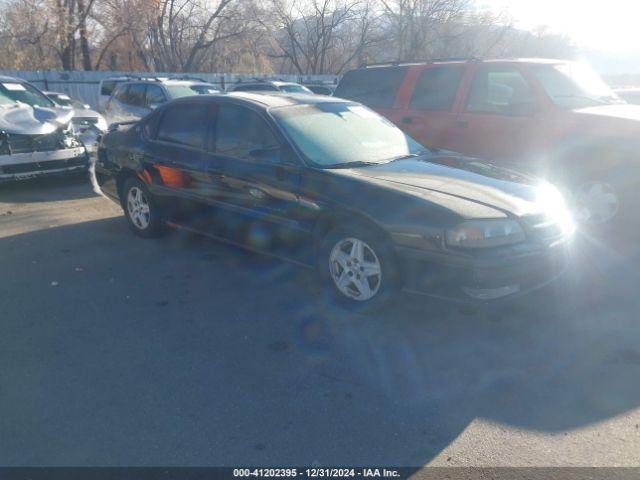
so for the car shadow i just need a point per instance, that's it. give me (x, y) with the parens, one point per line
(47, 189)
(183, 351)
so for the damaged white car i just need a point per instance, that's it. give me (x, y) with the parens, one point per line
(36, 136)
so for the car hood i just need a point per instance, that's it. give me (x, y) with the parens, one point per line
(85, 113)
(621, 111)
(463, 178)
(19, 118)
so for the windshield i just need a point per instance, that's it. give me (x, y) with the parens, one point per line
(177, 91)
(62, 100)
(22, 92)
(332, 134)
(295, 89)
(574, 85)
(204, 89)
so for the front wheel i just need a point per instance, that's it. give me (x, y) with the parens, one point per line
(357, 267)
(143, 216)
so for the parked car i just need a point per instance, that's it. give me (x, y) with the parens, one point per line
(321, 88)
(629, 95)
(36, 137)
(134, 99)
(330, 184)
(87, 123)
(269, 86)
(552, 117)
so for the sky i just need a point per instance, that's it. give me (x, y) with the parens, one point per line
(606, 25)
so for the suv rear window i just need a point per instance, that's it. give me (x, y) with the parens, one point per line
(375, 87)
(436, 88)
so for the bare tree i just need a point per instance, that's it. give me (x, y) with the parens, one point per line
(320, 36)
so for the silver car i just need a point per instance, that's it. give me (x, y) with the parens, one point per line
(87, 124)
(134, 99)
(36, 136)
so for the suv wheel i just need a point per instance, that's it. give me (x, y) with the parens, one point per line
(141, 211)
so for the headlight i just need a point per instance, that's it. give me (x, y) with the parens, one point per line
(485, 233)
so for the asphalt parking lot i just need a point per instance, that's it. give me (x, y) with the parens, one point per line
(117, 351)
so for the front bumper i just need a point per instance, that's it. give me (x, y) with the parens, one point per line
(482, 280)
(20, 166)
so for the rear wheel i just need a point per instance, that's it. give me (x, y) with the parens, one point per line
(357, 267)
(143, 216)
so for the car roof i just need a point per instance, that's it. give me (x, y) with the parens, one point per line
(267, 99)
(439, 61)
(4, 78)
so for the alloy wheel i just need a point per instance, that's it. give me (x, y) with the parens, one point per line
(355, 269)
(138, 208)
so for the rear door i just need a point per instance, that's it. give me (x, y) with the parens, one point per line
(499, 119)
(177, 155)
(428, 112)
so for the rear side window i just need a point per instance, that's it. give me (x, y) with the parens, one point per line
(184, 124)
(375, 87)
(436, 88)
(240, 131)
(107, 87)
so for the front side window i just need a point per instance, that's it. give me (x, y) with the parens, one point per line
(121, 93)
(184, 124)
(574, 85)
(23, 92)
(107, 87)
(332, 134)
(154, 95)
(374, 87)
(135, 95)
(239, 131)
(436, 88)
(500, 91)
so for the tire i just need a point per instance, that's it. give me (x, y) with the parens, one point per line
(357, 267)
(143, 215)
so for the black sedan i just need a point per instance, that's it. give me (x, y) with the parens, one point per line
(330, 184)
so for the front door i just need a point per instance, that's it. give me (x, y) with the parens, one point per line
(259, 182)
(499, 120)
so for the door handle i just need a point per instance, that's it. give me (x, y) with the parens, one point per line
(462, 124)
(407, 120)
(257, 193)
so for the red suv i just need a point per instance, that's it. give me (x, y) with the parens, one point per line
(555, 118)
